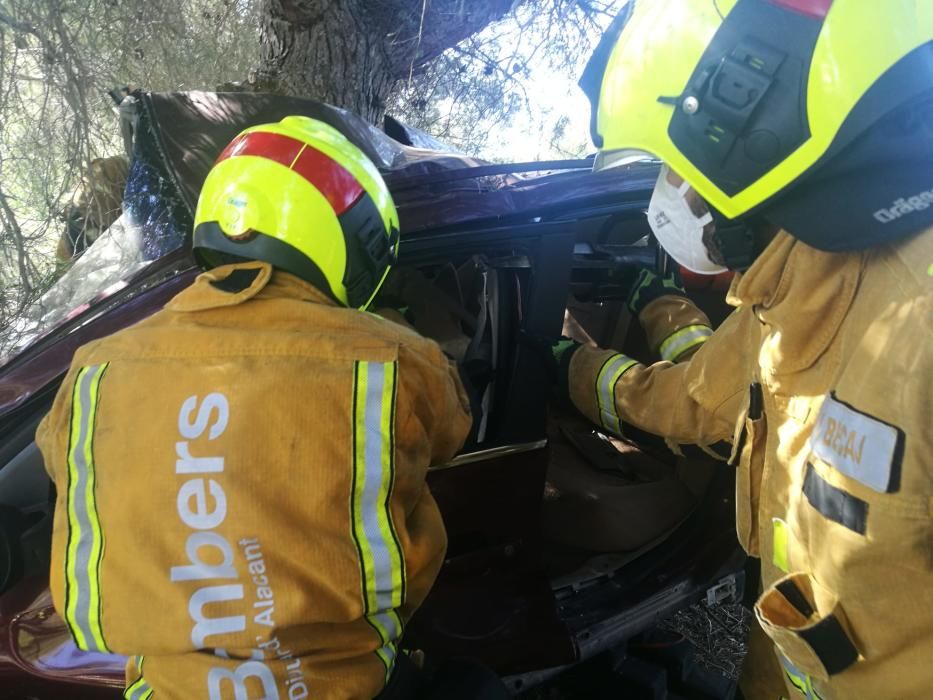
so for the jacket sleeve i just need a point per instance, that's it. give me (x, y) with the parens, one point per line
(696, 402)
(52, 438)
(52, 433)
(437, 403)
(675, 327)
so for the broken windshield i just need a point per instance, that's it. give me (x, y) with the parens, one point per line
(146, 230)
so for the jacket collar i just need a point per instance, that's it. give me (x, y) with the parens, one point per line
(230, 285)
(801, 295)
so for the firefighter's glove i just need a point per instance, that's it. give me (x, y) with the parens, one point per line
(649, 286)
(561, 347)
(554, 354)
(562, 351)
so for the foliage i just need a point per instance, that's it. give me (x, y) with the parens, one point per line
(59, 59)
(474, 89)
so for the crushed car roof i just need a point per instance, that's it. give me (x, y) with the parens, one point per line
(432, 188)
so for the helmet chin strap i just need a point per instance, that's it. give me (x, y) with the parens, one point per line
(738, 241)
(370, 251)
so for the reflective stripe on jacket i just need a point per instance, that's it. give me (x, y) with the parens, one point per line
(241, 490)
(675, 327)
(821, 379)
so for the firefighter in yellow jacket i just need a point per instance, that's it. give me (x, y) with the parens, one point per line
(241, 502)
(797, 147)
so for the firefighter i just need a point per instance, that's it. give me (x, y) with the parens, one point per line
(241, 499)
(797, 149)
(94, 205)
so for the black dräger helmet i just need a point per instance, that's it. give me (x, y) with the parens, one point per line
(815, 114)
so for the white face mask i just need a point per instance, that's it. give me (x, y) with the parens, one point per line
(677, 228)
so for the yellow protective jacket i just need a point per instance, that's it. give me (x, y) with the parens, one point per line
(241, 499)
(821, 379)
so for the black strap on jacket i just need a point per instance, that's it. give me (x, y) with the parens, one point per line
(835, 504)
(828, 640)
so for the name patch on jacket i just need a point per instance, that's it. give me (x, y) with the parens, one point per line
(858, 445)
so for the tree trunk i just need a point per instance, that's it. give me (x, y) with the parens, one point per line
(322, 50)
(351, 53)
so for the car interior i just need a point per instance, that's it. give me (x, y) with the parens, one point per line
(586, 517)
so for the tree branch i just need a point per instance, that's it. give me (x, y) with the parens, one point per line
(446, 23)
(12, 225)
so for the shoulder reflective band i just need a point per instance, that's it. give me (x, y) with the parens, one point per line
(797, 679)
(678, 343)
(85, 546)
(609, 375)
(835, 504)
(381, 563)
(801, 682)
(138, 689)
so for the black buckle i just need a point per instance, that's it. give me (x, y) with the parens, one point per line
(729, 93)
(375, 247)
(736, 242)
(739, 83)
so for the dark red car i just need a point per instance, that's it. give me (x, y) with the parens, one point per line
(564, 545)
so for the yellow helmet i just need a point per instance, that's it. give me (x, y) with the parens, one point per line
(299, 195)
(816, 113)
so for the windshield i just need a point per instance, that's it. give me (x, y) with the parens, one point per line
(146, 230)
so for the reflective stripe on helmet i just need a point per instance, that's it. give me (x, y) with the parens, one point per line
(381, 562)
(610, 374)
(336, 183)
(85, 546)
(678, 343)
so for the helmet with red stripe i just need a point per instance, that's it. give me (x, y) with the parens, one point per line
(299, 195)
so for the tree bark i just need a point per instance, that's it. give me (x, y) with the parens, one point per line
(351, 53)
